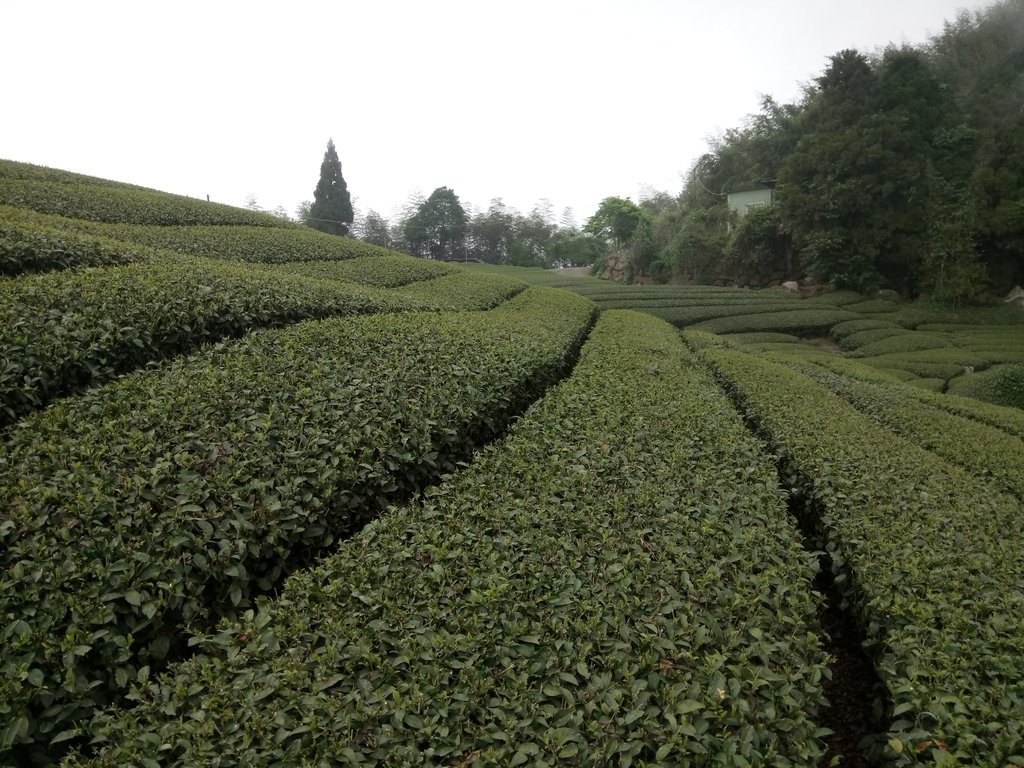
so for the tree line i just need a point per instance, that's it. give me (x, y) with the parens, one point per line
(439, 226)
(901, 169)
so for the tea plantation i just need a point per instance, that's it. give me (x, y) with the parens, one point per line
(272, 497)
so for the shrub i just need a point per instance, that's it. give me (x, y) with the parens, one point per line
(30, 248)
(62, 332)
(1001, 384)
(167, 499)
(922, 552)
(122, 204)
(845, 328)
(910, 341)
(606, 586)
(382, 271)
(798, 322)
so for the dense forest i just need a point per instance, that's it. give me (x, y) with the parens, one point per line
(901, 168)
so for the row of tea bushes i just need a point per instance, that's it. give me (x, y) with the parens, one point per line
(606, 586)
(27, 247)
(943, 362)
(15, 170)
(1006, 419)
(244, 243)
(703, 307)
(982, 450)
(764, 337)
(1000, 384)
(605, 289)
(61, 332)
(387, 270)
(460, 291)
(686, 315)
(874, 343)
(798, 320)
(925, 553)
(168, 498)
(840, 331)
(122, 204)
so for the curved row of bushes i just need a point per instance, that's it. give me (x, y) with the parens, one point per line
(26, 247)
(798, 321)
(167, 499)
(684, 316)
(16, 170)
(459, 291)
(982, 450)
(606, 586)
(1000, 385)
(124, 204)
(1006, 419)
(389, 270)
(256, 244)
(62, 332)
(927, 554)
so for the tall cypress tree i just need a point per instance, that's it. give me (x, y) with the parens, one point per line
(331, 211)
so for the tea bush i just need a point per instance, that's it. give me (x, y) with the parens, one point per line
(61, 332)
(30, 248)
(245, 243)
(797, 321)
(606, 586)
(165, 500)
(121, 204)
(924, 553)
(982, 450)
(1001, 384)
(383, 271)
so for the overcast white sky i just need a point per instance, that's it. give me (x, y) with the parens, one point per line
(569, 100)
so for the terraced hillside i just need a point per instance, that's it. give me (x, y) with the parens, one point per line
(272, 497)
(972, 351)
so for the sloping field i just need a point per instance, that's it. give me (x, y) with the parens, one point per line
(165, 499)
(604, 587)
(61, 332)
(272, 497)
(974, 351)
(921, 549)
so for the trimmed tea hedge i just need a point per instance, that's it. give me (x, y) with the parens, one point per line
(1001, 384)
(30, 248)
(605, 587)
(836, 298)
(764, 337)
(460, 290)
(842, 330)
(388, 270)
(685, 316)
(246, 243)
(799, 322)
(980, 449)
(15, 170)
(873, 307)
(911, 341)
(859, 339)
(123, 204)
(932, 385)
(166, 499)
(61, 332)
(944, 362)
(1009, 420)
(926, 554)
